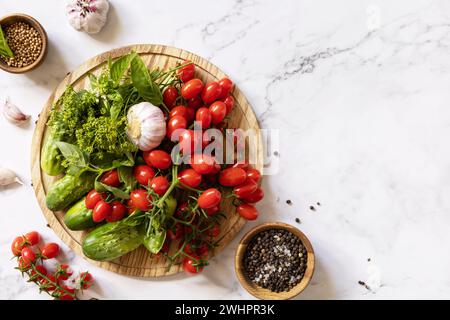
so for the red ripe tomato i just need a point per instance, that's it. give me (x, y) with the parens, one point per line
(181, 210)
(254, 175)
(48, 285)
(229, 103)
(211, 92)
(243, 165)
(118, 212)
(191, 265)
(23, 265)
(190, 178)
(50, 251)
(143, 174)
(17, 245)
(63, 272)
(195, 102)
(212, 211)
(178, 111)
(203, 116)
(192, 88)
(245, 189)
(203, 250)
(216, 168)
(92, 198)
(176, 233)
(101, 211)
(141, 199)
(32, 238)
(226, 85)
(187, 139)
(174, 123)
(170, 96)
(247, 211)
(66, 293)
(86, 280)
(218, 112)
(158, 159)
(36, 275)
(256, 196)
(160, 185)
(111, 178)
(231, 177)
(209, 198)
(130, 207)
(187, 72)
(28, 255)
(214, 231)
(190, 114)
(202, 163)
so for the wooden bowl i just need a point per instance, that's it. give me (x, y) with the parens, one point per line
(20, 17)
(258, 291)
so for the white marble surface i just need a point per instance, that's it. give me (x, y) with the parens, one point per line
(361, 93)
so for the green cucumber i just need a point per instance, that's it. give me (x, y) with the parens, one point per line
(51, 160)
(69, 189)
(78, 217)
(111, 241)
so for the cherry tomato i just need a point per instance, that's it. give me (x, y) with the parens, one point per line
(214, 231)
(17, 245)
(118, 212)
(101, 211)
(202, 163)
(226, 85)
(187, 72)
(23, 265)
(159, 184)
(209, 198)
(66, 293)
(63, 272)
(231, 177)
(48, 285)
(218, 112)
(190, 114)
(35, 276)
(86, 280)
(254, 175)
(165, 248)
(212, 211)
(245, 189)
(143, 174)
(174, 123)
(211, 92)
(247, 211)
(190, 178)
(203, 116)
(178, 111)
(187, 142)
(195, 102)
(158, 159)
(191, 265)
(191, 88)
(50, 251)
(229, 103)
(111, 178)
(141, 199)
(202, 251)
(92, 198)
(170, 95)
(243, 165)
(177, 233)
(32, 238)
(130, 207)
(181, 210)
(256, 196)
(28, 255)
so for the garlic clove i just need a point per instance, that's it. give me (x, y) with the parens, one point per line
(8, 177)
(13, 114)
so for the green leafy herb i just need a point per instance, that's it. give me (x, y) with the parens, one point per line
(126, 176)
(5, 50)
(118, 67)
(72, 154)
(155, 241)
(101, 187)
(144, 84)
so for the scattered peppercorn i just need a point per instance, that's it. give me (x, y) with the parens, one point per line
(275, 259)
(298, 220)
(25, 42)
(362, 283)
(289, 202)
(312, 208)
(318, 203)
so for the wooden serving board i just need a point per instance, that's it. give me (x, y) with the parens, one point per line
(139, 262)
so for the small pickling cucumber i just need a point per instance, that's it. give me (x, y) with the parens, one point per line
(112, 240)
(51, 160)
(69, 189)
(78, 217)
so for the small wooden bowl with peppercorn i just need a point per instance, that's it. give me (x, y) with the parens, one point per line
(26, 39)
(274, 261)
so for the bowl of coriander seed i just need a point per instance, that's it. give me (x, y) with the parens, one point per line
(274, 261)
(23, 43)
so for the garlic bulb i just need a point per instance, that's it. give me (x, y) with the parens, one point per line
(13, 114)
(8, 177)
(87, 15)
(146, 125)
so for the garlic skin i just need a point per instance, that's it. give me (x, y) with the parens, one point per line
(8, 177)
(146, 126)
(87, 15)
(13, 114)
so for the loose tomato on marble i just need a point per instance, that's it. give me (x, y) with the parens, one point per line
(92, 198)
(255, 197)
(203, 116)
(101, 211)
(111, 178)
(226, 85)
(192, 88)
(211, 92)
(158, 159)
(50, 251)
(160, 185)
(209, 198)
(190, 178)
(245, 189)
(218, 111)
(143, 174)
(231, 177)
(118, 212)
(32, 238)
(247, 211)
(192, 265)
(140, 199)
(170, 96)
(186, 72)
(17, 245)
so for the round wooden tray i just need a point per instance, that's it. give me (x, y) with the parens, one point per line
(139, 262)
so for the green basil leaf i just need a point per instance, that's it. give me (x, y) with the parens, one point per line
(118, 67)
(126, 176)
(155, 241)
(143, 83)
(101, 187)
(72, 153)
(5, 50)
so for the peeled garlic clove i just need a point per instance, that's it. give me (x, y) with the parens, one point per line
(8, 177)
(13, 114)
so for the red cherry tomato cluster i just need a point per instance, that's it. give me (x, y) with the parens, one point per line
(30, 260)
